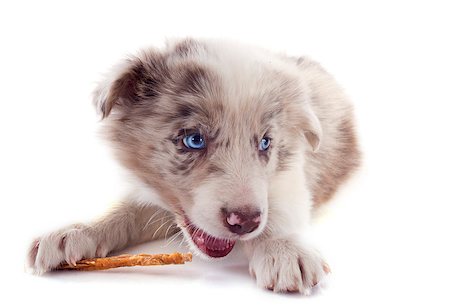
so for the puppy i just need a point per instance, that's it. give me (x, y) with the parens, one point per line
(224, 143)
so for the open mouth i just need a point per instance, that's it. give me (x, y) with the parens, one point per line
(208, 244)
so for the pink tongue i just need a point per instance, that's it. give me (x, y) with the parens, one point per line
(212, 246)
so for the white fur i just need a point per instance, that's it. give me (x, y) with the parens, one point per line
(142, 193)
(285, 264)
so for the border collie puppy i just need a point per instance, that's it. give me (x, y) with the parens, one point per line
(225, 143)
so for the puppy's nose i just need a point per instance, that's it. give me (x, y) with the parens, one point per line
(241, 222)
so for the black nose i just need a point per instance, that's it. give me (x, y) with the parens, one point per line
(242, 222)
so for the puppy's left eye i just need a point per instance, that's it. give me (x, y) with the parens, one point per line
(194, 141)
(264, 144)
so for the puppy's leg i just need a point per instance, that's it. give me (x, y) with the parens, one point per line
(126, 225)
(281, 259)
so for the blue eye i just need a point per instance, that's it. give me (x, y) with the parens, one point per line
(264, 144)
(194, 141)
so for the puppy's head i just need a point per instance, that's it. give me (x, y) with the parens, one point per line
(207, 125)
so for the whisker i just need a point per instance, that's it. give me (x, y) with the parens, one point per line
(167, 231)
(196, 232)
(173, 238)
(154, 234)
(151, 218)
(183, 240)
(158, 220)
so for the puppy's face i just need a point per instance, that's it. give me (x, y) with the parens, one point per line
(207, 129)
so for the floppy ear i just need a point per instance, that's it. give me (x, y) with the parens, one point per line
(131, 81)
(117, 88)
(310, 125)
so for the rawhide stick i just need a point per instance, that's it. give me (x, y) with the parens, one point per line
(106, 263)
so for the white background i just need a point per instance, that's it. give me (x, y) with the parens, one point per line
(385, 235)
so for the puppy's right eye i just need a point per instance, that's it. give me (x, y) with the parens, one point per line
(264, 144)
(194, 141)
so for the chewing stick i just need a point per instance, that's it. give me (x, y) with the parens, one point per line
(106, 263)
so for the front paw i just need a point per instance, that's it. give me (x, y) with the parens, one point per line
(283, 265)
(66, 245)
